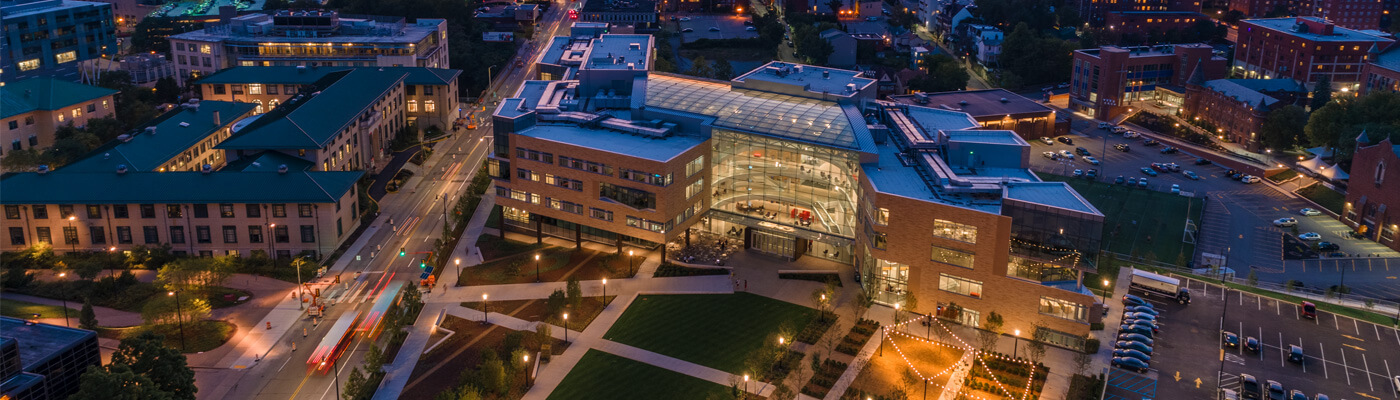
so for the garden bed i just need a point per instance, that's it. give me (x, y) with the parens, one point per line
(398, 180)
(858, 336)
(823, 277)
(1283, 176)
(668, 270)
(823, 379)
(1085, 387)
(538, 310)
(890, 376)
(554, 265)
(817, 328)
(1324, 196)
(453, 362)
(200, 336)
(1004, 377)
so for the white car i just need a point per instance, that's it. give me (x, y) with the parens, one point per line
(1310, 236)
(1250, 179)
(750, 29)
(1130, 134)
(1091, 160)
(1066, 154)
(1176, 189)
(1051, 155)
(1309, 212)
(1048, 140)
(685, 18)
(1285, 222)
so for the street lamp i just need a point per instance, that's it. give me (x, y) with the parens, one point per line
(297, 263)
(746, 386)
(537, 268)
(459, 267)
(566, 327)
(179, 318)
(272, 242)
(1016, 344)
(1105, 292)
(605, 292)
(333, 372)
(527, 369)
(65, 302)
(485, 315)
(631, 269)
(74, 242)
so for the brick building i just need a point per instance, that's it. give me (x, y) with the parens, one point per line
(33, 109)
(1372, 200)
(994, 109)
(1382, 72)
(1096, 12)
(783, 161)
(1239, 107)
(1351, 14)
(1149, 22)
(1303, 49)
(1105, 81)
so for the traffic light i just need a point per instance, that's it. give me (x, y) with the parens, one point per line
(402, 252)
(422, 265)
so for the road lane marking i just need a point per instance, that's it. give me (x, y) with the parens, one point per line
(1353, 346)
(1395, 391)
(1323, 351)
(1304, 361)
(1366, 364)
(1353, 337)
(1346, 368)
(1281, 355)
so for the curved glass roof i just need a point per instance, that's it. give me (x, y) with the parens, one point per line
(791, 117)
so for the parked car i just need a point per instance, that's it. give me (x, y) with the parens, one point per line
(1251, 179)
(1118, 180)
(1309, 212)
(1105, 125)
(1160, 167)
(1142, 309)
(1307, 310)
(1148, 171)
(1395, 382)
(1295, 353)
(1171, 166)
(1230, 339)
(1328, 246)
(1176, 189)
(1310, 236)
(1078, 173)
(750, 28)
(1048, 140)
(1138, 329)
(1249, 387)
(1081, 151)
(1133, 354)
(687, 30)
(1091, 174)
(1135, 338)
(1229, 394)
(1122, 147)
(1139, 315)
(1131, 364)
(1296, 394)
(1150, 142)
(1065, 140)
(1169, 150)
(714, 29)
(1091, 160)
(748, 23)
(1285, 222)
(1233, 174)
(1128, 344)
(1191, 175)
(1134, 300)
(1202, 161)
(1066, 154)
(1321, 396)
(1142, 183)
(1251, 344)
(1275, 390)
(1131, 135)
(1051, 155)
(685, 18)
(1143, 323)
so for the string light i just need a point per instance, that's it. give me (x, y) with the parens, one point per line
(976, 355)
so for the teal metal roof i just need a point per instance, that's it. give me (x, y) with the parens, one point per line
(312, 121)
(268, 161)
(791, 117)
(1054, 194)
(45, 94)
(176, 131)
(309, 75)
(176, 187)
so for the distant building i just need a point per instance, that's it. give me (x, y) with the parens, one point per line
(51, 37)
(625, 12)
(843, 48)
(1383, 70)
(1373, 204)
(1351, 14)
(310, 38)
(1303, 49)
(33, 109)
(987, 40)
(1239, 107)
(1106, 80)
(145, 69)
(1151, 22)
(42, 361)
(997, 109)
(1096, 12)
(564, 54)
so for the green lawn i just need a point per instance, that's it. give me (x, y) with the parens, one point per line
(600, 375)
(1139, 222)
(26, 310)
(1325, 197)
(715, 330)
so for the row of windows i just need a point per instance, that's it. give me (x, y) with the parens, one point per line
(565, 206)
(645, 177)
(254, 88)
(94, 211)
(600, 214)
(533, 155)
(549, 179)
(695, 166)
(635, 198)
(650, 225)
(518, 195)
(597, 168)
(151, 234)
(962, 286)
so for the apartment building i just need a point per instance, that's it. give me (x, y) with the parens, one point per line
(1097, 12)
(33, 109)
(1351, 14)
(1382, 71)
(1304, 49)
(797, 161)
(49, 38)
(1239, 107)
(1151, 22)
(1107, 80)
(429, 94)
(310, 38)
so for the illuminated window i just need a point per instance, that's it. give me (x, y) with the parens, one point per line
(962, 286)
(429, 106)
(29, 65)
(204, 48)
(244, 63)
(955, 231)
(67, 56)
(77, 113)
(255, 88)
(952, 256)
(1063, 309)
(60, 117)
(882, 216)
(413, 106)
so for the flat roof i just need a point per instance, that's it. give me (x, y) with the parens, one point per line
(624, 144)
(620, 5)
(309, 75)
(889, 176)
(410, 34)
(791, 117)
(1054, 194)
(933, 119)
(175, 131)
(1339, 34)
(315, 120)
(815, 79)
(39, 342)
(1001, 137)
(21, 9)
(616, 51)
(979, 103)
(1146, 51)
(193, 187)
(45, 93)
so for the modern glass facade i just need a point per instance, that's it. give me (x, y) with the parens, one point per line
(1050, 243)
(762, 181)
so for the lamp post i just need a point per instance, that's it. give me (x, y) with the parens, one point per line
(631, 269)
(896, 313)
(746, 386)
(297, 263)
(485, 315)
(272, 242)
(337, 376)
(1016, 344)
(73, 243)
(65, 302)
(459, 267)
(537, 268)
(1105, 293)
(178, 317)
(605, 292)
(527, 370)
(566, 327)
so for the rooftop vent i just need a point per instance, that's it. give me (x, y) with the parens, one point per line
(282, 169)
(206, 169)
(183, 125)
(151, 130)
(1003, 100)
(121, 169)
(635, 46)
(963, 103)
(106, 156)
(826, 74)
(43, 169)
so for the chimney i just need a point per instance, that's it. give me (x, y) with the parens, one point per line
(216, 118)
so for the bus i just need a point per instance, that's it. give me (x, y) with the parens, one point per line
(373, 322)
(335, 343)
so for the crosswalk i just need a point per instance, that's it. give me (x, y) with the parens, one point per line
(1128, 385)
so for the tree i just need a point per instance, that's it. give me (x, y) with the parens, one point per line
(701, 67)
(1081, 362)
(493, 373)
(146, 354)
(723, 70)
(117, 382)
(556, 302)
(1253, 278)
(1283, 127)
(944, 74)
(1322, 92)
(374, 359)
(357, 385)
(167, 90)
(1326, 124)
(196, 274)
(810, 45)
(1035, 348)
(162, 310)
(836, 6)
(575, 293)
(991, 332)
(87, 319)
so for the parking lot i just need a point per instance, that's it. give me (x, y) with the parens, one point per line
(1344, 357)
(725, 27)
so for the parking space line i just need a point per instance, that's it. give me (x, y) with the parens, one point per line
(1242, 339)
(1334, 323)
(1378, 331)
(1346, 369)
(1258, 302)
(1395, 391)
(1323, 351)
(1261, 343)
(1304, 361)
(1355, 325)
(1277, 310)
(1368, 372)
(1281, 355)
